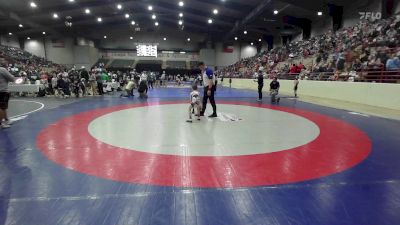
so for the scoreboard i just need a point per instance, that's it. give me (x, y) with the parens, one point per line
(146, 50)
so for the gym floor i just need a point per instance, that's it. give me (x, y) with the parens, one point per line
(110, 160)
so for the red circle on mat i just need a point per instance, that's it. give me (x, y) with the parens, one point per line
(339, 146)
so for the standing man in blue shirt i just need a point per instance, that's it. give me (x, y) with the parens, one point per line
(209, 89)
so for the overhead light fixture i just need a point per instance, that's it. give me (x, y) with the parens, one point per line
(127, 16)
(133, 22)
(33, 5)
(182, 52)
(319, 13)
(105, 37)
(44, 33)
(119, 6)
(156, 23)
(236, 38)
(150, 8)
(180, 14)
(276, 12)
(154, 16)
(181, 3)
(87, 11)
(180, 22)
(10, 33)
(215, 11)
(99, 19)
(21, 26)
(259, 40)
(252, 43)
(165, 39)
(28, 38)
(245, 32)
(188, 39)
(131, 38)
(210, 21)
(71, 0)
(55, 16)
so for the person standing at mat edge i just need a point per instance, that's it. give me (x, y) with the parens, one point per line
(5, 78)
(209, 89)
(260, 81)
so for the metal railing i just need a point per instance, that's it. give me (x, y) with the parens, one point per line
(373, 75)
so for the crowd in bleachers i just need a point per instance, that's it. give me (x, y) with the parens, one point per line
(367, 46)
(17, 61)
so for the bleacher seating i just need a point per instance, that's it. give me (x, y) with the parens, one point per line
(176, 64)
(193, 64)
(348, 52)
(122, 63)
(102, 62)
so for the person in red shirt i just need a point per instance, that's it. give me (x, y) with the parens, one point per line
(299, 68)
(293, 69)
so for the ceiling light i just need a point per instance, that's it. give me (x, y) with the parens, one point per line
(156, 23)
(259, 40)
(105, 37)
(133, 22)
(131, 38)
(215, 11)
(319, 13)
(154, 16)
(165, 39)
(21, 26)
(180, 22)
(127, 15)
(252, 43)
(245, 32)
(276, 12)
(87, 11)
(182, 52)
(55, 15)
(28, 38)
(10, 33)
(210, 21)
(180, 14)
(150, 8)
(71, 0)
(181, 4)
(33, 5)
(44, 33)
(99, 19)
(119, 6)
(188, 39)
(236, 38)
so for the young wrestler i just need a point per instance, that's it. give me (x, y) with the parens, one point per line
(195, 103)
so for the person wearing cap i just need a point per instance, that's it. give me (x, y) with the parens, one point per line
(5, 78)
(209, 89)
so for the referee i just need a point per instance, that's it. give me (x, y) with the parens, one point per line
(209, 89)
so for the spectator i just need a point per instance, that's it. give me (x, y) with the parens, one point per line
(393, 64)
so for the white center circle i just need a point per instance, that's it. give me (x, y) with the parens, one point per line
(162, 129)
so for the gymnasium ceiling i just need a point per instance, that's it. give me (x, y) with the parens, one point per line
(255, 16)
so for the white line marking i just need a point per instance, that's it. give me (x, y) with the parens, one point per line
(358, 114)
(15, 119)
(24, 114)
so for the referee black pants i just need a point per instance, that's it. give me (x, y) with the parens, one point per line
(260, 95)
(212, 100)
